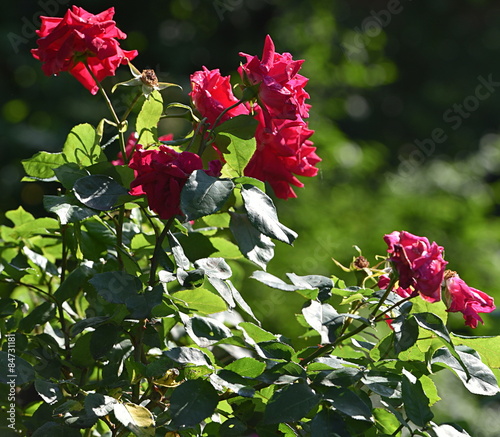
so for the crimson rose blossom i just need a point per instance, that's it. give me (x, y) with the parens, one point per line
(284, 150)
(459, 297)
(161, 174)
(81, 36)
(420, 265)
(281, 89)
(212, 93)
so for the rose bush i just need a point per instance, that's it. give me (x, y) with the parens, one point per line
(125, 317)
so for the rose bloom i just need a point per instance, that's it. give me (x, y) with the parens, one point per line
(212, 93)
(79, 36)
(160, 174)
(281, 89)
(132, 145)
(459, 297)
(420, 265)
(283, 151)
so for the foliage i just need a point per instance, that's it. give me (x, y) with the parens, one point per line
(125, 323)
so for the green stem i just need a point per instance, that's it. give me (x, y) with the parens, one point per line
(329, 348)
(118, 122)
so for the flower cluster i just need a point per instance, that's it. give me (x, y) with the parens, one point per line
(284, 150)
(79, 42)
(420, 269)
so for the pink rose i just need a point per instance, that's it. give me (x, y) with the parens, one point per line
(283, 151)
(160, 174)
(81, 36)
(281, 89)
(420, 265)
(459, 297)
(212, 93)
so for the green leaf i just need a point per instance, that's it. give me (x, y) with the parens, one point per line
(40, 315)
(255, 334)
(349, 403)
(188, 355)
(430, 389)
(415, 400)
(103, 339)
(41, 165)
(67, 208)
(328, 423)
(290, 404)
(487, 347)
(275, 350)
(235, 138)
(48, 391)
(53, 429)
(406, 332)
(206, 332)
(225, 380)
(214, 267)
(273, 281)
(254, 245)
(204, 195)
(99, 404)
(247, 180)
(135, 418)
(482, 381)
(80, 354)
(98, 192)
(116, 287)
(385, 421)
(191, 402)
(263, 216)
(69, 173)
(449, 431)
(433, 323)
(200, 300)
(148, 118)
(73, 283)
(324, 319)
(16, 370)
(19, 216)
(239, 152)
(385, 384)
(247, 367)
(82, 146)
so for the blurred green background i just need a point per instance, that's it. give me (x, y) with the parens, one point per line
(404, 98)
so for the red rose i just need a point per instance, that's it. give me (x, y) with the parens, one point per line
(281, 89)
(81, 36)
(459, 297)
(212, 93)
(420, 265)
(132, 144)
(160, 174)
(283, 151)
